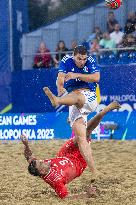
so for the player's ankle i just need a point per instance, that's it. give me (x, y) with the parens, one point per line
(92, 170)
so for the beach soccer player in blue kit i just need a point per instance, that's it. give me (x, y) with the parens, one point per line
(78, 75)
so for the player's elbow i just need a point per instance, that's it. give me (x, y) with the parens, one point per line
(97, 77)
(62, 191)
(97, 80)
(60, 79)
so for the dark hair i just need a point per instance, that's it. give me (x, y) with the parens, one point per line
(80, 49)
(32, 169)
(58, 45)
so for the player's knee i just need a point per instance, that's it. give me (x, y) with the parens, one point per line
(81, 141)
(80, 135)
(79, 124)
(80, 100)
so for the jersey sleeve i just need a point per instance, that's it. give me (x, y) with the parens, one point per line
(63, 65)
(61, 190)
(92, 65)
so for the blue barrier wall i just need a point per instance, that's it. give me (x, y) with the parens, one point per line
(13, 23)
(19, 27)
(117, 83)
(27, 90)
(5, 74)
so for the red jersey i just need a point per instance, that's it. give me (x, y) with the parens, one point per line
(68, 165)
(71, 150)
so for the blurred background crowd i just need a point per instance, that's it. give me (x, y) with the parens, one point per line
(114, 44)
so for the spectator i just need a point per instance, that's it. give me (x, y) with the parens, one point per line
(128, 41)
(131, 42)
(116, 35)
(111, 21)
(135, 16)
(73, 45)
(94, 49)
(107, 42)
(134, 33)
(96, 34)
(123, 42)
(62, 51)
(99, 37)
(130, 22)
(43, 57)
(85, 44)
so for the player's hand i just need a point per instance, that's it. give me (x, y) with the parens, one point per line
(94, 175)
(61, 91)
(71, 75)
(24, 139)
(39, 63)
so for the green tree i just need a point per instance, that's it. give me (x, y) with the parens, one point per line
(40, 14)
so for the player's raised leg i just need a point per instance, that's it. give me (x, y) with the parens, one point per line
(74, 98)
(93, 123)
(79, 128)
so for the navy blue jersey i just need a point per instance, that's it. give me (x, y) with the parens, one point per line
(67, 64)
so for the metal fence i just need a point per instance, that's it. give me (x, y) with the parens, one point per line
(103, 57)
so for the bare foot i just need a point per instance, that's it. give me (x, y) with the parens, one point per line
(51, 96)
(95, 175)
(113, 105)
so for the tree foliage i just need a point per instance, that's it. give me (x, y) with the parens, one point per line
(41, 14)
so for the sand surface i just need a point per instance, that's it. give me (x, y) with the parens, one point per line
(115, 186)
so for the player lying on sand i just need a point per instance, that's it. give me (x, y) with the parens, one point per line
(68, 164)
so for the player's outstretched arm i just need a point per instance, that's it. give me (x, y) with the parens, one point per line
(60, 83)
(27, 150)
(90, 193)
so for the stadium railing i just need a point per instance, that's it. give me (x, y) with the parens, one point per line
(103, 57)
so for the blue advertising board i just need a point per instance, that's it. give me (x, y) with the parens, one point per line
(35, 126)
(51, 126)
